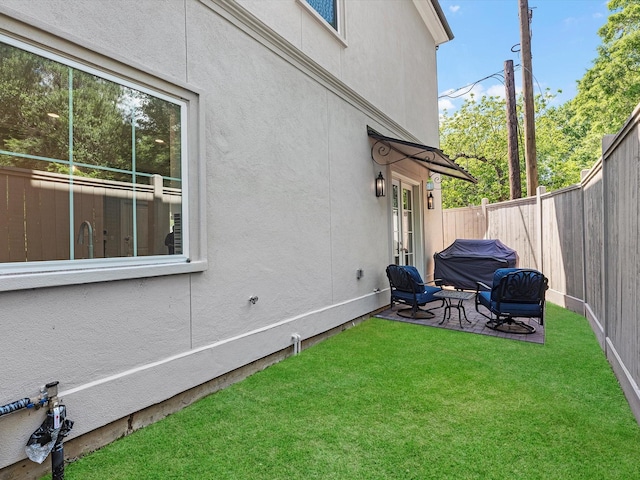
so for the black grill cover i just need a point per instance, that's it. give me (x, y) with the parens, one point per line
(465, 262)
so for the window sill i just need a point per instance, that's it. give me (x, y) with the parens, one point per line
(95, 274)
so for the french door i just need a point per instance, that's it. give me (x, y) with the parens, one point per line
(404, 223)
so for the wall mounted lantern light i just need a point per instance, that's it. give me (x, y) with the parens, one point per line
(380, 185)
(430, 186)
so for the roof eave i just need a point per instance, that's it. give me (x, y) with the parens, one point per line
(435, 20)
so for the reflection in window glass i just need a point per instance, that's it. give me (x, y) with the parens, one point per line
(89, 168)
(327, 10)
(34, 107)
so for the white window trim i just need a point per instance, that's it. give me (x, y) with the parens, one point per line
(28, 275)
(339, 33)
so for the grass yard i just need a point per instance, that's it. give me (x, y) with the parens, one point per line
(389, 400)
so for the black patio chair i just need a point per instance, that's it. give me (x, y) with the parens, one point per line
(408, 288)
(515, 293)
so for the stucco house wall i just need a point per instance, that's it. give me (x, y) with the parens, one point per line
(284, 207)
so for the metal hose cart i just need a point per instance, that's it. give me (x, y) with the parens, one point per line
(49, 436)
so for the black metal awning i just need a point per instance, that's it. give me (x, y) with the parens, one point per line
(387, 150)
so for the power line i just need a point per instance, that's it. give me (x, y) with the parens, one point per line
(469, 87)
(498, 76)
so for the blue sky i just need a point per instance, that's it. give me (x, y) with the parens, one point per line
(564, 43)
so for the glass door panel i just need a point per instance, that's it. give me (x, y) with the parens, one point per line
(403, 224)
(396, 222)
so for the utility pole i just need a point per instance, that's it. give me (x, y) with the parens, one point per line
(529, 109)
(515, 186)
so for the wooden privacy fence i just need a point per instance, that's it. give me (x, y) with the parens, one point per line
(584, 238)
(36, 213)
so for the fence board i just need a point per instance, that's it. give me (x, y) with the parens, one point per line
(60, 211)
(593, 221)
(35, 223)
(32, 212)
(4, 217)
(16, 233)
(466, 222)
(514, 224)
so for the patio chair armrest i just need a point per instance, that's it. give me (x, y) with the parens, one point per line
(482, 286)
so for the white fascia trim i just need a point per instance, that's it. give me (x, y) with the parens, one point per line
(432, 20)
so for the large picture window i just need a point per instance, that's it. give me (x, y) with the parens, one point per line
(91, 167)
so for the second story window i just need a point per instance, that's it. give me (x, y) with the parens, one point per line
(327, 10)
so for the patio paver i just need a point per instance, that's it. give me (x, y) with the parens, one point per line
(477, 325)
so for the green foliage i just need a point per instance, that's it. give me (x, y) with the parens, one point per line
(391, 400)
(568, 137)
(476, 136)
(36, 95)
(610, 90)
(477, 133)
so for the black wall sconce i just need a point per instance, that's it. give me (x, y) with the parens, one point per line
(380, 185)
(430, 186)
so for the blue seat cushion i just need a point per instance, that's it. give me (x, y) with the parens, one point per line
(509, 309)
(421, 298)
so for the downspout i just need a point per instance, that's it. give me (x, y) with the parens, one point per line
(296, 339)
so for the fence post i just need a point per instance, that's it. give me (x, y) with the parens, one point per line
(607, 141)
(539, 192)
(583, 175)
(485, 215)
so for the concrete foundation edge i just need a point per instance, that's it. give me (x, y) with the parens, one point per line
(98, 438)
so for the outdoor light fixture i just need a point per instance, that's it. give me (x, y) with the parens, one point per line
(430, 186)
(380, 185)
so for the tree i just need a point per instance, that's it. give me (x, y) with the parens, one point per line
(476, 137)
(36, 124)
(610, 89)
(568, 137)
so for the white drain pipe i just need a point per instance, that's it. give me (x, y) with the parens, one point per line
(297, 343)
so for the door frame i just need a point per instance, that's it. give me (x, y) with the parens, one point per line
(414, 185)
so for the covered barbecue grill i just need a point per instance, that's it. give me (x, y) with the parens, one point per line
(465, 262)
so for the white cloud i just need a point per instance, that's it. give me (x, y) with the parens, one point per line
(477, 91)
(454, 8)
(445, 104)
(496, 91)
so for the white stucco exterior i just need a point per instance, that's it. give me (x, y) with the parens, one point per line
(282, 205)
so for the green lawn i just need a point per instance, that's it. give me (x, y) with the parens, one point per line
(389, 400)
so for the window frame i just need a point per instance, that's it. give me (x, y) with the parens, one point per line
(339, 31)
(24, 275)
